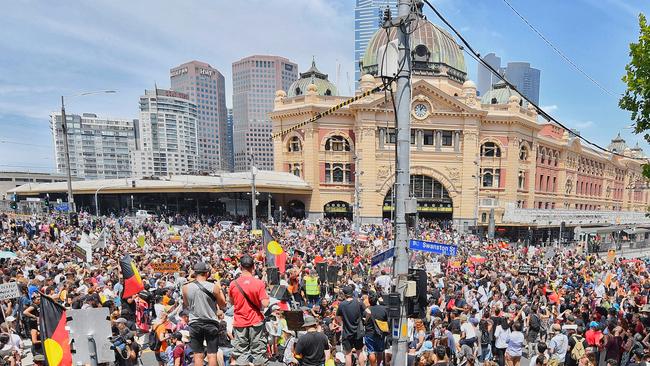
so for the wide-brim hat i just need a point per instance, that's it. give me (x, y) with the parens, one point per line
(309, 321)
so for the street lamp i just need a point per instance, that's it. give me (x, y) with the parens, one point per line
(131, 203)
(64, 129)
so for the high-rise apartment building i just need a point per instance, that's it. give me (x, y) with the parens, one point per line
(167, 140)
(519, 74)
(255, 81)
(368, 15)
(229, 139)
(206, 88)
(99, 147)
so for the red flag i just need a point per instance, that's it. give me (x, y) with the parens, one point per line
(132, 280)
(54, 337)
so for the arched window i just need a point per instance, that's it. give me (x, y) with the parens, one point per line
(490, 149)
(298, 91)
(337, 173)
(337, 143)
(493, 101)
(328, 92)
(523, 152)
(294, 144)
(295, 169)
(490, 177)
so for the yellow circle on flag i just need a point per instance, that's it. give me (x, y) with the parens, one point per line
(53, 352)
(274, 247)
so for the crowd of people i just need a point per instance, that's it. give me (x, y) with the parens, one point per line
(494, 303)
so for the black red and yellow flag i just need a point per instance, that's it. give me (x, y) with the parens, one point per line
(132, 280)
(54, 337)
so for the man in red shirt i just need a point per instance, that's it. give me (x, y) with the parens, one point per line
(248, 296)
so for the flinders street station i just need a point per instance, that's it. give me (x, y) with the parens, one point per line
(476, 160)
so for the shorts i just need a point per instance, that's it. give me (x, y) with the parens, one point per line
(375, 344)
(204, 331)
(351, 342)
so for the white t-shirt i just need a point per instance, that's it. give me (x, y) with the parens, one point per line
(468, 329)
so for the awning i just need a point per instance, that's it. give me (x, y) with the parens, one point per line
(600, 230)
(636, 231)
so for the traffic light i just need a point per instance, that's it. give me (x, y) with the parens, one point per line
(74, 219)
(47, 201)
(13, 205)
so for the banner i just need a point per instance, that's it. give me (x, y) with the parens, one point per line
(141, 241)
(166, 267)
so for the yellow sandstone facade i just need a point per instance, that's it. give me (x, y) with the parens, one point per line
(470, 155)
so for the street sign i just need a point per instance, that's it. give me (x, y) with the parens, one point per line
(431, 247)
(383, 256)
(62, 207)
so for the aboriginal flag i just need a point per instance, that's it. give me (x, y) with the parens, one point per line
(54, 337)
(132, 280)
(275, 255)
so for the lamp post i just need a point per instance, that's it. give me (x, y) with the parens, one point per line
(66, 149)
(269, 217)
(131, 203)
(253, 198)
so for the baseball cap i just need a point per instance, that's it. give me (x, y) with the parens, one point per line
(201, 267)
(121, 320)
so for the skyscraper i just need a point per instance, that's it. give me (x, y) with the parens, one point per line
(206, 88)
(229, 139)
(99, 147)
(485, 78)
(368, 15)
(167, 135)
(255, 81)
(525, 78)
(520, 74)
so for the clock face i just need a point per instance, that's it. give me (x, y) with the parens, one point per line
(420, 110)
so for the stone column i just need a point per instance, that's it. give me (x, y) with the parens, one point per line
(456, 141)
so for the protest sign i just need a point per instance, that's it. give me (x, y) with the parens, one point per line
(9, 290)
(340, 249)
(166, 267)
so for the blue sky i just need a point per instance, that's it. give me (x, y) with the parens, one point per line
(51, 49)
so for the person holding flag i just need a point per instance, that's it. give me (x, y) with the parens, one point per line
(55, 338)
(132, 280)
(275, 254)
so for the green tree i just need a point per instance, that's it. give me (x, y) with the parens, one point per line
(637, 77)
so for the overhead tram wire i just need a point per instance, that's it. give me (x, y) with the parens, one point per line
(386, 85)
(559, 52)
(542, 112)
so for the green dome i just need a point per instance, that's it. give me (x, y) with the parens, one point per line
(312, 76)
(500, 94)
(433, 50)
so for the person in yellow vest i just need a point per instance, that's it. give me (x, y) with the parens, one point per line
(312, 288)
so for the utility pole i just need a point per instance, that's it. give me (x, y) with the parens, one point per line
(268, 207)
(357, 195)
(253, 197)
(64, 128)
(402, 176)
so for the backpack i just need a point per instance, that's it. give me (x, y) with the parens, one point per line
(578, 350)
(189, 355)
(485, 337)
(535, 323)
(153, 341)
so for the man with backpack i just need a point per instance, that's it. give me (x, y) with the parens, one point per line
(248, 296)
(577, 347)
(376, 331)
(202, 300)
(351, 313)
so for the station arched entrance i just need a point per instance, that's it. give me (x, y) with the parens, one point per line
(338, 209)
(433, 199)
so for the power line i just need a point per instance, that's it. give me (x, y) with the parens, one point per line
(24, 144)
(559, 52)
(542, 112)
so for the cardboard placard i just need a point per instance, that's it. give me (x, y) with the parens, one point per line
(340, 249)
(9, 290)
(81, 253)
(166, 267)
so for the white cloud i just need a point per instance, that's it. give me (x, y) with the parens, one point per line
(550, 108)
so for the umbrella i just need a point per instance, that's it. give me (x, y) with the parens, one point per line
(7, 255)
